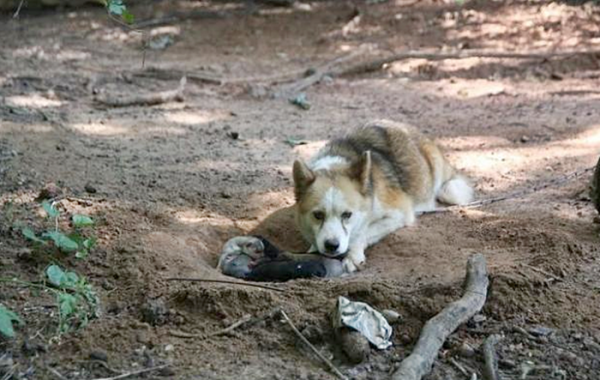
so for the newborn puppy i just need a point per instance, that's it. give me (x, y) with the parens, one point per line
(256, 259)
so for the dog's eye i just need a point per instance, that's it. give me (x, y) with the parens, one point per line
(346, 215)
(319, 215)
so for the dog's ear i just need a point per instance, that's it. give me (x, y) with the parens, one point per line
(303, 178)
(362, 172)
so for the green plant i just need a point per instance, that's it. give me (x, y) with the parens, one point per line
(118, 8)
(77, 301)
(75, 241)
(7, 317)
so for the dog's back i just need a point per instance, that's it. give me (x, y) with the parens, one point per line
(403, 161)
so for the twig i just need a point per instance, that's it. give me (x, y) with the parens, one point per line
(378, 63)
(226, 282)
(291, 89)
(16, 15)
(148, 99)
(56, 373)
(484, 202)
(545, 273)
(312, 348)
(438, 328)
(180, 334)
(458, 366)
(490, 370)
(133, 373)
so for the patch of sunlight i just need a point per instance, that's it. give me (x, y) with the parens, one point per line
(32, 101)
(177, 131)
(98, 129)
(72, 55)
(33, 128)
(195, 217)
(195, 117)
(473, 142)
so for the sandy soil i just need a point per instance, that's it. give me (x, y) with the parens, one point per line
(172, 183)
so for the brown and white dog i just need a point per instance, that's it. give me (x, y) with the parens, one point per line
(361, 187)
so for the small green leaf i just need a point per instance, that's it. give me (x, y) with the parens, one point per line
(67, 304)
(62, 241)
(55, 274)
(70, 279)
(7, 317)
(116, 7)
(82, 221)
(127, 17)
(82, 254)
(50, 210)
(89, 243)
(29, 234)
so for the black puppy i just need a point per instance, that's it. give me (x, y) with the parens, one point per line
(254, 258)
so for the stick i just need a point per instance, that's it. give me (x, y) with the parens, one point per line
(16, 15)
(133, 373)
(438, 328)
(56, 373)
(490, 370)
(377, 64)
(312, 348)
(458, 366)
(226, 282)
(484, 202)
(148, 99)
(180, 334)
(545, 273)
(291, 89)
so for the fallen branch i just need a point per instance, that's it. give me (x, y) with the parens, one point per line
(490, 370)
(550, 276)
(133, 373)
(294, 88)
(378, 63)
(484, 202)
(226, 282)
(312, 348)
(148, 99)
(437, 329)
(180, 334)
(459, 367)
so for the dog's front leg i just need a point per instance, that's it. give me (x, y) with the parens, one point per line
(356, 256)
(382, 227)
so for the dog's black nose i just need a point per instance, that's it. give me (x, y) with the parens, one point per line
(331, 245)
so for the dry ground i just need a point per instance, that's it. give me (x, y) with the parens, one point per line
(172, 184)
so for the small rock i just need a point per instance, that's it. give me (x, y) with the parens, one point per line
(391, 316)
(524, 139)
(479, 318)
(90, 189)
(597, 219)
(313, 334)
(166, 372)
(225, 195)
(31, 348)
(169, 348)
(540, 331)
(144, 338)
(234, 135)
(591, 345)
(99, 355)
(50, 191)
(354, 345)
(155, 312)
(465, 350)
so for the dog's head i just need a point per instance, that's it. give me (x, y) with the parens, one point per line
(332, 205)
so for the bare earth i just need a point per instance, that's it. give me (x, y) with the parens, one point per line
(173, 184)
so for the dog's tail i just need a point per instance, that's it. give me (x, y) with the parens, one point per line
(455, 190)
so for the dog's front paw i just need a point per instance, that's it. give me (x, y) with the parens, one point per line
(354, 262)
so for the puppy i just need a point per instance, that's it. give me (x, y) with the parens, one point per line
(361, 187)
